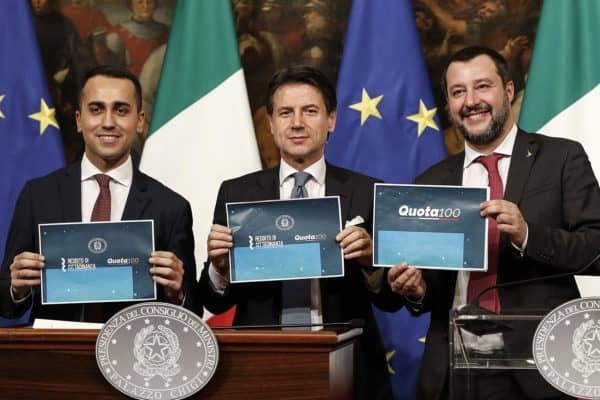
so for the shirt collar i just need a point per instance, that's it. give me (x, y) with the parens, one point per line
(122, 175)
(505, 148)
(316, 170)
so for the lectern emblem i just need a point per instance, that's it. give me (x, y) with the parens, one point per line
(586, 346)
(157, 351)
(566, 348)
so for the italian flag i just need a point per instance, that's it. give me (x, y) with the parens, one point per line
(201, 131)
(562, 97)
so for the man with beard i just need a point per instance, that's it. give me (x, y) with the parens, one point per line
(544, 219)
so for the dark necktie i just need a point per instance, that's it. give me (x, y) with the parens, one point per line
(101, 211)
(478, 281)
(92, 312)
(295, 295)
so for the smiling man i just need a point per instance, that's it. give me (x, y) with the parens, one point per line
(544, 219)
(301, 106)
(104, 186)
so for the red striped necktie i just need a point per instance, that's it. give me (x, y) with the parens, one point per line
(101, 211)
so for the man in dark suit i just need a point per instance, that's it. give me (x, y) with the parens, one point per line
(301, 107)
(545, 215)
(104, 186)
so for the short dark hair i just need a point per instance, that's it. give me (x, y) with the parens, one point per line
(469, 53)
(302, 74)
(112, 72)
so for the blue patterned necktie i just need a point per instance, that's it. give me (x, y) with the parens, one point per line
(295, 294)
(299, 190)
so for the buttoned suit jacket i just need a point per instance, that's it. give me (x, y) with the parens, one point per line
(56, 198)
(552, 183)
(342, 298)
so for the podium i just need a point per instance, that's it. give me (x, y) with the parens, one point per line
(485, 346)
(260, 364)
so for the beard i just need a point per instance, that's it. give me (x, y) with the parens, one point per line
(493, 130)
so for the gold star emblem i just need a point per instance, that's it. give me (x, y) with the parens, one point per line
(1, 98)
(424, 118)
(45, 117)
(422, 339)
(388, 357)
(367, 107)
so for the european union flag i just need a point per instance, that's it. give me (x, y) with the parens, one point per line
(30, 143)
(387, 127)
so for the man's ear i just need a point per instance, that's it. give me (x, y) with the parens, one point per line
(78, 121)
(141, 118)
(331, 120)
(270, 119)
(509, 88)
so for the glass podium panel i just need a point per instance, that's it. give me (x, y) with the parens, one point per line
(490, 352)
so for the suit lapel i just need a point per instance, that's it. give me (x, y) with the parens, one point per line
(138, 198)
(336, 185)
(454, 174)
(69, 186)
(268, 184)
(523, 156)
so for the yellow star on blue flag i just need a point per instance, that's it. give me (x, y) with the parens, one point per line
(24, 153)
(424, 118)
(389, 149)
(367, 107)
(45, 117)
(1, 98)
(388, 358)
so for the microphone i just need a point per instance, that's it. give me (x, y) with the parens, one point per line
(473, 307)
(351, 324)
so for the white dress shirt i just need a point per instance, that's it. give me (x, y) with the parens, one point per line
(120, 184)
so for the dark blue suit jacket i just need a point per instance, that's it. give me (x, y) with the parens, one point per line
(56, 198)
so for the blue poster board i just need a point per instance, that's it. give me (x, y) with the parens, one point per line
(285, 239)
(430, 227)
(97, 262)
